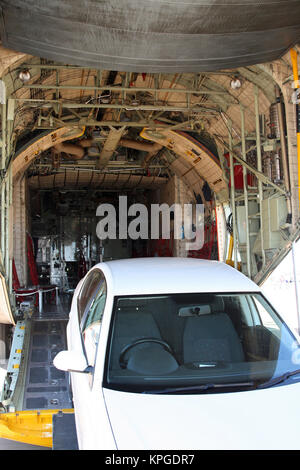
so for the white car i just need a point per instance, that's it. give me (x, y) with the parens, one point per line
(174, 353)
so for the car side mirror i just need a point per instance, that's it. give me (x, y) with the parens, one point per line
(72, 361)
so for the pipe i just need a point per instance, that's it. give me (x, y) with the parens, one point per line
(86, 142)
(75, 150)
(3, 123)
(276, 162)
(232, 197)
(259, 167)
(3, 160)
(245, 184)
(138, 145)
(152, 149)
(230, 249)
(294, 58)
(284, 154)
(3, 251)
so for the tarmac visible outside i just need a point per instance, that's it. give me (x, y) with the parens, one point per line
(280, 289)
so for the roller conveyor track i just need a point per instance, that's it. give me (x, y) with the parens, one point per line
(45, 386)
(44, 414)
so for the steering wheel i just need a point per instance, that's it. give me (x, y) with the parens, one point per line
(123, 363)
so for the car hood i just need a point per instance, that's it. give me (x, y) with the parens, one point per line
(257, 419)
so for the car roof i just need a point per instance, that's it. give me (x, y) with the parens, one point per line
(139, 276)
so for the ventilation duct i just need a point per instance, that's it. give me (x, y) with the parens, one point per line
(151, 149)
(77, 151)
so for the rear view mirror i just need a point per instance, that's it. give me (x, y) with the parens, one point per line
(71, 361)
(194, 310)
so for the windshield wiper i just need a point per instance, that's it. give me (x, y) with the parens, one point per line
(204, 387)
(279, 379)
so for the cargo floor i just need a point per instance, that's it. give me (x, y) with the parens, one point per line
(41, 385)
(45, 386)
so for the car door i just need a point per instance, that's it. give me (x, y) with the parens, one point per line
(87, 394)
(91, 322)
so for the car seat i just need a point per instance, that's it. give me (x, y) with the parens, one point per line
(211, 337)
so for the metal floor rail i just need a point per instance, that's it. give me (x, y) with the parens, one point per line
(46, 387)
(42, 406)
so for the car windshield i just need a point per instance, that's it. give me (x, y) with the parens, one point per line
(198, 343)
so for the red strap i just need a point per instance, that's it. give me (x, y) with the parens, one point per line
(31, 262)
(16, 282)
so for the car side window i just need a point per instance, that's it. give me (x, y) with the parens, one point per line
(91, 308)
(266, 319)
(88, 292)
(95, 312)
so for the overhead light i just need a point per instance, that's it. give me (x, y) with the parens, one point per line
(105, 100)
(235, 83)
(24, 75)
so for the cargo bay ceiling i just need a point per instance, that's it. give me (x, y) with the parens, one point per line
(121, 96)
(152, 35)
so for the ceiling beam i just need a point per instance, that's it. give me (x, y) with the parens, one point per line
(133, 89)
(45, 103)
